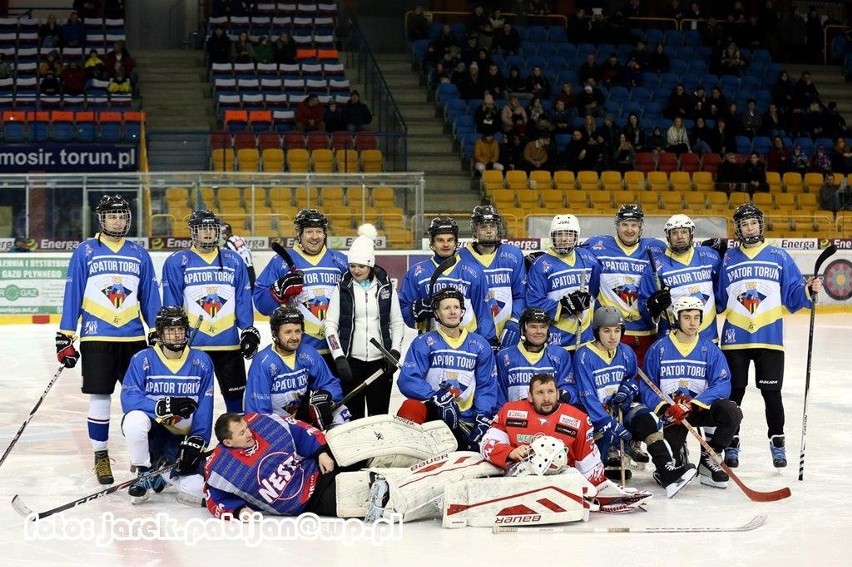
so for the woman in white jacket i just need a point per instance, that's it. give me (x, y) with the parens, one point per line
(364, 305)
(677, 137)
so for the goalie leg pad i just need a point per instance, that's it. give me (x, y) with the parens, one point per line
(352, 489)
(524, 500)
(380, 435)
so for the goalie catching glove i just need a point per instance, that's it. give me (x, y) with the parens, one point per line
(189, 455)
(287, 286)
(65, 351)
(249, 342)
(169, 407)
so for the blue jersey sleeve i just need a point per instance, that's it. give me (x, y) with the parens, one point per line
(482, 304)
(487, 393)
(718, 378)
(566, 380)
(519, 286)
(75, 283)
(264, 301)
(173, 281)
(793, 289)
(409, 293)
(320, 377)
(412, 378)
(652, 371)
(537, 285)
(258, 394)
(133, 395)
(202, 418)
(584, 374)
(149, 291)
(242, 292)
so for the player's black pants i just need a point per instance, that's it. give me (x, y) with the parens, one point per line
(724, 415)
(769, 377)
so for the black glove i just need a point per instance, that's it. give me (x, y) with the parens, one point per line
(153, 337)
(287, 286)
(249, 341)
(421, 309)
(189, 455)
(480, 426)
(577, 301)
(567, 396)
(65, 351)
(344, 371)
(319, 409)
(659, 301)
(720, 245)
(627, 392)
(390, 367)
(444, 401)
(495, 344)
(173, 406)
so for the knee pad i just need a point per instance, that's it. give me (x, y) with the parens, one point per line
(642, 422)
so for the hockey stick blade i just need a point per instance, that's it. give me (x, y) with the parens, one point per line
(752, 524)
(754, 495)
(281, 251)
(439, 271)
(359, 388)
(385, 352)
(826, 254)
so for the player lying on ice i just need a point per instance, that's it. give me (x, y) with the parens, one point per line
(280, 466)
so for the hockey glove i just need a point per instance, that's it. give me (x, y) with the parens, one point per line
(444, 401)
(659, 301)
(613, 430)
(421, 309)
(189, 455)
(249, 341)
(495, 344)
(320, 407)
(577, 301)
(344, 371)
(65, 351)
(720, 245)
(627, 392)
(153, 337)
(287, 286)
(678, 412)
(175, 407)
(511, 334)
(390, 367)
(480, 426)
(567, 396)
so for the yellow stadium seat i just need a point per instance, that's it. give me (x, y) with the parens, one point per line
(611, 180)
(516, 179)
(773, 179)
(527, 199)
(347, 161)
(807, 201)
(717, 201)
(333, 196)
(305, 197)
(792, 182)
(813, 181)
(785, 202)
(230, 197)
(588, 180)
(576, 200)
(552, 200)
(671, 201)
(298, 160)
(222, 159)
(680, 181)
(491, 180)
(763, 201)
(626, 196)
(322, 160)
(383, 197)
(658, 180)
(694, 200)
(564, 180)
(540, 180)
(280, 197)
(272, 159)
(703, 181)
(634, 180)
(372, 161)
(601, 201)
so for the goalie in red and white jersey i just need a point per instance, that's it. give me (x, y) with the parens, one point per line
(518, 424)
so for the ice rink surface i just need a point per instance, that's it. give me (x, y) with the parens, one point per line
(52, 464)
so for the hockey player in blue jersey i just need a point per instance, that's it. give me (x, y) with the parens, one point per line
(693, 371)
(212, 284)
(465, 275)
(290, 378)
(563, 281)
(307, 286)
(167, 400)
(683, 270)
(112, 287)
(623, 259)
(504, 268)
(449, 374)
(533, 355)
(606, 377)
(758, 280)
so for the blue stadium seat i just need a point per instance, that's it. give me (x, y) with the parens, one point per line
(743, 144)
(673, 38)
(537, 34)
(761, 144)
(640, 95)
(556, 34)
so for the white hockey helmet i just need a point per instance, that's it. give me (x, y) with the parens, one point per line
(549, 455)
(679, 221)
(565, 223)
(687, 303)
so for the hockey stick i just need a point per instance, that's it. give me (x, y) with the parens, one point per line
(657, 279)
(385, 352)
(281, 251)
(578, 338)
(621, 450)
(439, 271)
(32, 413)
(827, 253)
(754, 495)
(752, 524)
(359, 388)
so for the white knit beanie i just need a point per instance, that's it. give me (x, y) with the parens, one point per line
(363, 250)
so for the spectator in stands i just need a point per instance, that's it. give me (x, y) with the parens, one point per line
(591, 101)
(50, 64)
(632, 74)
(634, 9)
(561, 118)
(487, 117)
(511, 149)
(835, 123)
(673, 9)
(95, 67)
(830, 194)
(418, 24)
(841, 156)
(612, 73)
(577, 156)
(722, 140)
(506, 41)
(73, 32)
(483, 59)
(284, 50)
(73, 78)
(516, 83)
(804, 92)
(779, 157)
(732, 61)
(814, 36)
(773, 123)
(579, 26)
(821, 161)
(440, 74)
(699, 136)
(514, 116)
(494, 83)
(537, 153)
(751, 119)
(479, 25)
(309, 114)
(659, 61)
(568, 98)
(87, 8)
(535, 128)
(50, 33)
(50, 84)
(119, 57)
(589, 69)
(470, 50)
(5, 69)
(677, 138)
(814, 121)
(729, 177)
(218, 46)
(799, 161)
(634, 133)
(334, 117)
(596, 148)
(263, 52)
(358, 115)
(447, 41)
(486, 153)
(624, 156)
(470, 83)
(610, 132)
(538, 84)
(119, 84)
(656, 141)
(679, 104)
(640, 54)
(535, 110)
(717, 104)
(782, 93)
(242, 50)
(754, 175)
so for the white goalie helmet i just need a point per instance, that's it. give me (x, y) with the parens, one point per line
(549, 455)
(564, 223)
(687, 303)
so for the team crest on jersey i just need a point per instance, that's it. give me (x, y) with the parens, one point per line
(212, 302)
(418, 269)
(430, 341)
(317, 306)
(627, 292)
(116, 292)
(496, 305)
(751, 298)
(599, 245)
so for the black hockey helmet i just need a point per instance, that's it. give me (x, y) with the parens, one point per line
(748, 211)
(530, 314)
(447, 293)
(204, 219)
(443, 225)
(283, 315)
(630, 211)
(485, 214)
(113, 204)
(310, 218)
(172, 316)
(606, 317)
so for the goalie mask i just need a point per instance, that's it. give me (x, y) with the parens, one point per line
(205, 230)
(564, 233)
(168, 319)
(746, 212)
(480, 218)
(676, 222)
(549, 455)
(110, 209)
